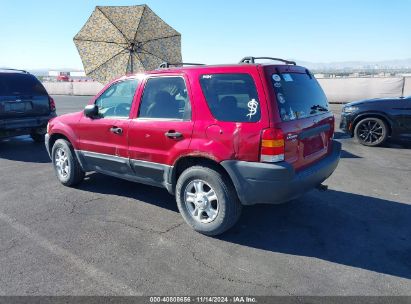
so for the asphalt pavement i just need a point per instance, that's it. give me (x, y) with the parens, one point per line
(113, 237)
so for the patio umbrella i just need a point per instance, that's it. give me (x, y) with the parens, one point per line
(117, 40)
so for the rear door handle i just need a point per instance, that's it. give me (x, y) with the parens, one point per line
(116, 130)
(173, 134)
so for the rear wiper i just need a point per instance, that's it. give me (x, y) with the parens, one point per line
(319, 108)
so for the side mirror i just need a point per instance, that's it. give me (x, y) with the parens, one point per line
(91, 111)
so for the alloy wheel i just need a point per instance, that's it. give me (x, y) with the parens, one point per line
(61, 162)
(201, 201)
(370, 132)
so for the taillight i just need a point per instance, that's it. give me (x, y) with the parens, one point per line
(52, 104)
(272, 146)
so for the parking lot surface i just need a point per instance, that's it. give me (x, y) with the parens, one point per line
(113, 237)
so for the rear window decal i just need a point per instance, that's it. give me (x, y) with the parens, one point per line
(252, 107)
(277, 84)
(276, 77)
(281, 98)
(292, 114)
(207, 76)
(287, 77)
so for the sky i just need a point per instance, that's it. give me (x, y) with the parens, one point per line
(39, 33)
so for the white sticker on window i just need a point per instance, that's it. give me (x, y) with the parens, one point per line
(207, 76)
(287, 77)
(277, 84)
(252, 107)
(276, 77)
(281, 98)
(292, 114)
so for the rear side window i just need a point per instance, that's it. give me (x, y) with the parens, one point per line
(231, 97)
(13, 84)
(298, 96)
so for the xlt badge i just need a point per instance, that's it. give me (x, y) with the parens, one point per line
(292, 136)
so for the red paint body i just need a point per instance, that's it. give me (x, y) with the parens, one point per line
(203, 134)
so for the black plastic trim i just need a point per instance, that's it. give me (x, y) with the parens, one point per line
(263, 183)
(251, 59)
(144, 172)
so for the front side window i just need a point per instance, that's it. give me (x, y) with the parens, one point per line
(117, 99)
(165, 98)
(231, 97)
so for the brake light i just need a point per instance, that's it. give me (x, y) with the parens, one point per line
(272, 146)
(52, 104)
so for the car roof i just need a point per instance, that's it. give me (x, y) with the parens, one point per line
(220, 67)
(16, 71)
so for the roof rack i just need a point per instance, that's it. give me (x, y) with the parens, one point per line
(15, 70)
(251, 59)
(166, 65)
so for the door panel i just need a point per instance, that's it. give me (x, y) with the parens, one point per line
(102, 149)
(103, 140)
(403, 110)
(148, 140)
(302, 106)
(163, 127)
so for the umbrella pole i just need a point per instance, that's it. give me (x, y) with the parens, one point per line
(131, 62)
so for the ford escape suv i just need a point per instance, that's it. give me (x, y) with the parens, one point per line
(25, 106)
(218, 137)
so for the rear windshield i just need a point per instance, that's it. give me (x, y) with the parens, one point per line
(298, 96)
(20, 84)
(231, 97)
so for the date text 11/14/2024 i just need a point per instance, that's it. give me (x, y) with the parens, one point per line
(203, 299)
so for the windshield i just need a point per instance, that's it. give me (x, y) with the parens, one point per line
(298, 96)
(20, 84)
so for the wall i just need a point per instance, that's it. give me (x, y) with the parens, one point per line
(338, 90)
(407, 87)
(73, 88)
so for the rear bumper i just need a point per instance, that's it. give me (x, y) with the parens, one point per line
(23, 125)
(261, 183)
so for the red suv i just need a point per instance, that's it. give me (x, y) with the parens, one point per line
(218, 137)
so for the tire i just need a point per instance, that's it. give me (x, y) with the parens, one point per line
(37, 137)
(371, 132)
(65, 164)
(212, 195)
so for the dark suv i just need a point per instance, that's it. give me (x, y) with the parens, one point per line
(373, 121)
(218, 137)
(25, 106)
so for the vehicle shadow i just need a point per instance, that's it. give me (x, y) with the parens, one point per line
(23, 149)
(346, 154)
(341, 135)
(397, 144)
(99, 183)
(339, 227)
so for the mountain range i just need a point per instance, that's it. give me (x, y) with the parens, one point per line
(358, 65)
(403, 64)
